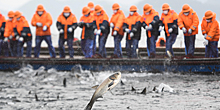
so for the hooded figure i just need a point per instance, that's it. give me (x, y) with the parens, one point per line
(66, 24)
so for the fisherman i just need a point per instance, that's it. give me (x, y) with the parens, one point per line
(169, 21)
(161, 42)
(210, 30)
(10, 43)
(87, 23)
(188, 21)
(2, 29)
(132, 26)
(22, 34)
(103, 29)
(42, 20)
(151, 22)
(66, 24)
(116, 23)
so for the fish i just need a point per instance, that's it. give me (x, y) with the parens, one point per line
(108, 84)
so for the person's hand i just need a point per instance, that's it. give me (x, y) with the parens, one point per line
(98, 32)
(70, 29)
(61, 31)
(45, 28)
(150, 27)
(6, 39)
(184, 30)
(111, 25)
(21, 39)
(39, 24)
(127, 30)
(206, 42)
(131, 34)
(190, 31)
(160, 28)
(10, 37)
(115, 33)
(170, 30)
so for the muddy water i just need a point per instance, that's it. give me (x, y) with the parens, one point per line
(30, 89)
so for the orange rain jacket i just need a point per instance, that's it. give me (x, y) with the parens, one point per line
(87, 27)
(170, 21)
(154, 20)
(117, 19)
(9, 29)
(102, 22)
(134, 24)
(45, 19)
(21, 27)
(189, 22)
(158, 44)
(65, 23)
(211, 29)
(2, 26)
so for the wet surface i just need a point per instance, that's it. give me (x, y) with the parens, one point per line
(44, 90)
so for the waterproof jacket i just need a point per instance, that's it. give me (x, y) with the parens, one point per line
(210, 29)
(133, 23)
(189, 22)
(87, 27)
(170, 21)
(65, 23)
(102, 22)
(118, 19)
(22, 29)
(9, 29)
(2, 26)
(46, 20)
(154, 20)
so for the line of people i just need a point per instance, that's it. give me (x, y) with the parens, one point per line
(95, 24)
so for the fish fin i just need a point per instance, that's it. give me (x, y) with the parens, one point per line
(122, 83)
(144, 91)
(111, 92)
(133, 89)
(100, 97)
(95, 87)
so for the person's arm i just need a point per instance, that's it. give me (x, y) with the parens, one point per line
(195, 23)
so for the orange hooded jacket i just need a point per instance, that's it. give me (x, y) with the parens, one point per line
(65, 23)
(189, 22)
(117, 19)
(45, 19)
(9, 28)
(87, 32)
(102, 22)
(132, 22)
(211, 29)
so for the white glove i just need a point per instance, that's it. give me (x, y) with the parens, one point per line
(150, 27)
(17, 37)
(170, 30)
(39, 24)
(61, 31)
(6, 39)
(70, 29)
(205, 36)
(146, 27)
(95, 31)
(98, 32)
(184, 30)
(160, 28)
(10, 37)
(115, 33)
(131, 34)
(206, 42)
(190, 31)
(112, 25)
(45, 28)
(127, 30)
(21, 39)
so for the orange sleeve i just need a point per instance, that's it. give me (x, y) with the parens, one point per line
(119, 22)
(25, 22)
(195, 23)
(203, 27)
(49, 20)
(6, 33)
(74, 19)
(111, 19)
(212, 31)
(180, 21)
(33, 21)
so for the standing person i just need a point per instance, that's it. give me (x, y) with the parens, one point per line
(103, 29)
(116, 23)
(10, 43)
(66, 24)
(22, 32)
(210, 30)
(2, 29)
(169, 21)
(151, 22)
(188, 21)
(92, 12)
(42, 20)
(132, 26)
(87, 24)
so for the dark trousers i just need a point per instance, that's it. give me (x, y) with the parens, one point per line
(131, 48)
(151, 45)
(102, 42)
(189, 44)
(211, 50)
(117, 45)
(20, 48)
(170, 40)
(62, 49)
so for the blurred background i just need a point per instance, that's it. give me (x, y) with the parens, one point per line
(55, 8)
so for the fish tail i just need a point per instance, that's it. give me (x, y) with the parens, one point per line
(89, 106)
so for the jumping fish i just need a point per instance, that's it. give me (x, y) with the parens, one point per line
(105, 86)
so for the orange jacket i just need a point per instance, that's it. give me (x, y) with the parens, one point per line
(117, 19)
(158, 44)
(2, 25)
(102, 22)
(87, 31)
(9, 28)
(134, 24)
(211, 29)
(170, 21)
(45, 19)
(154, 20)
(65, 23)
(189, 22)
(22, 26)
